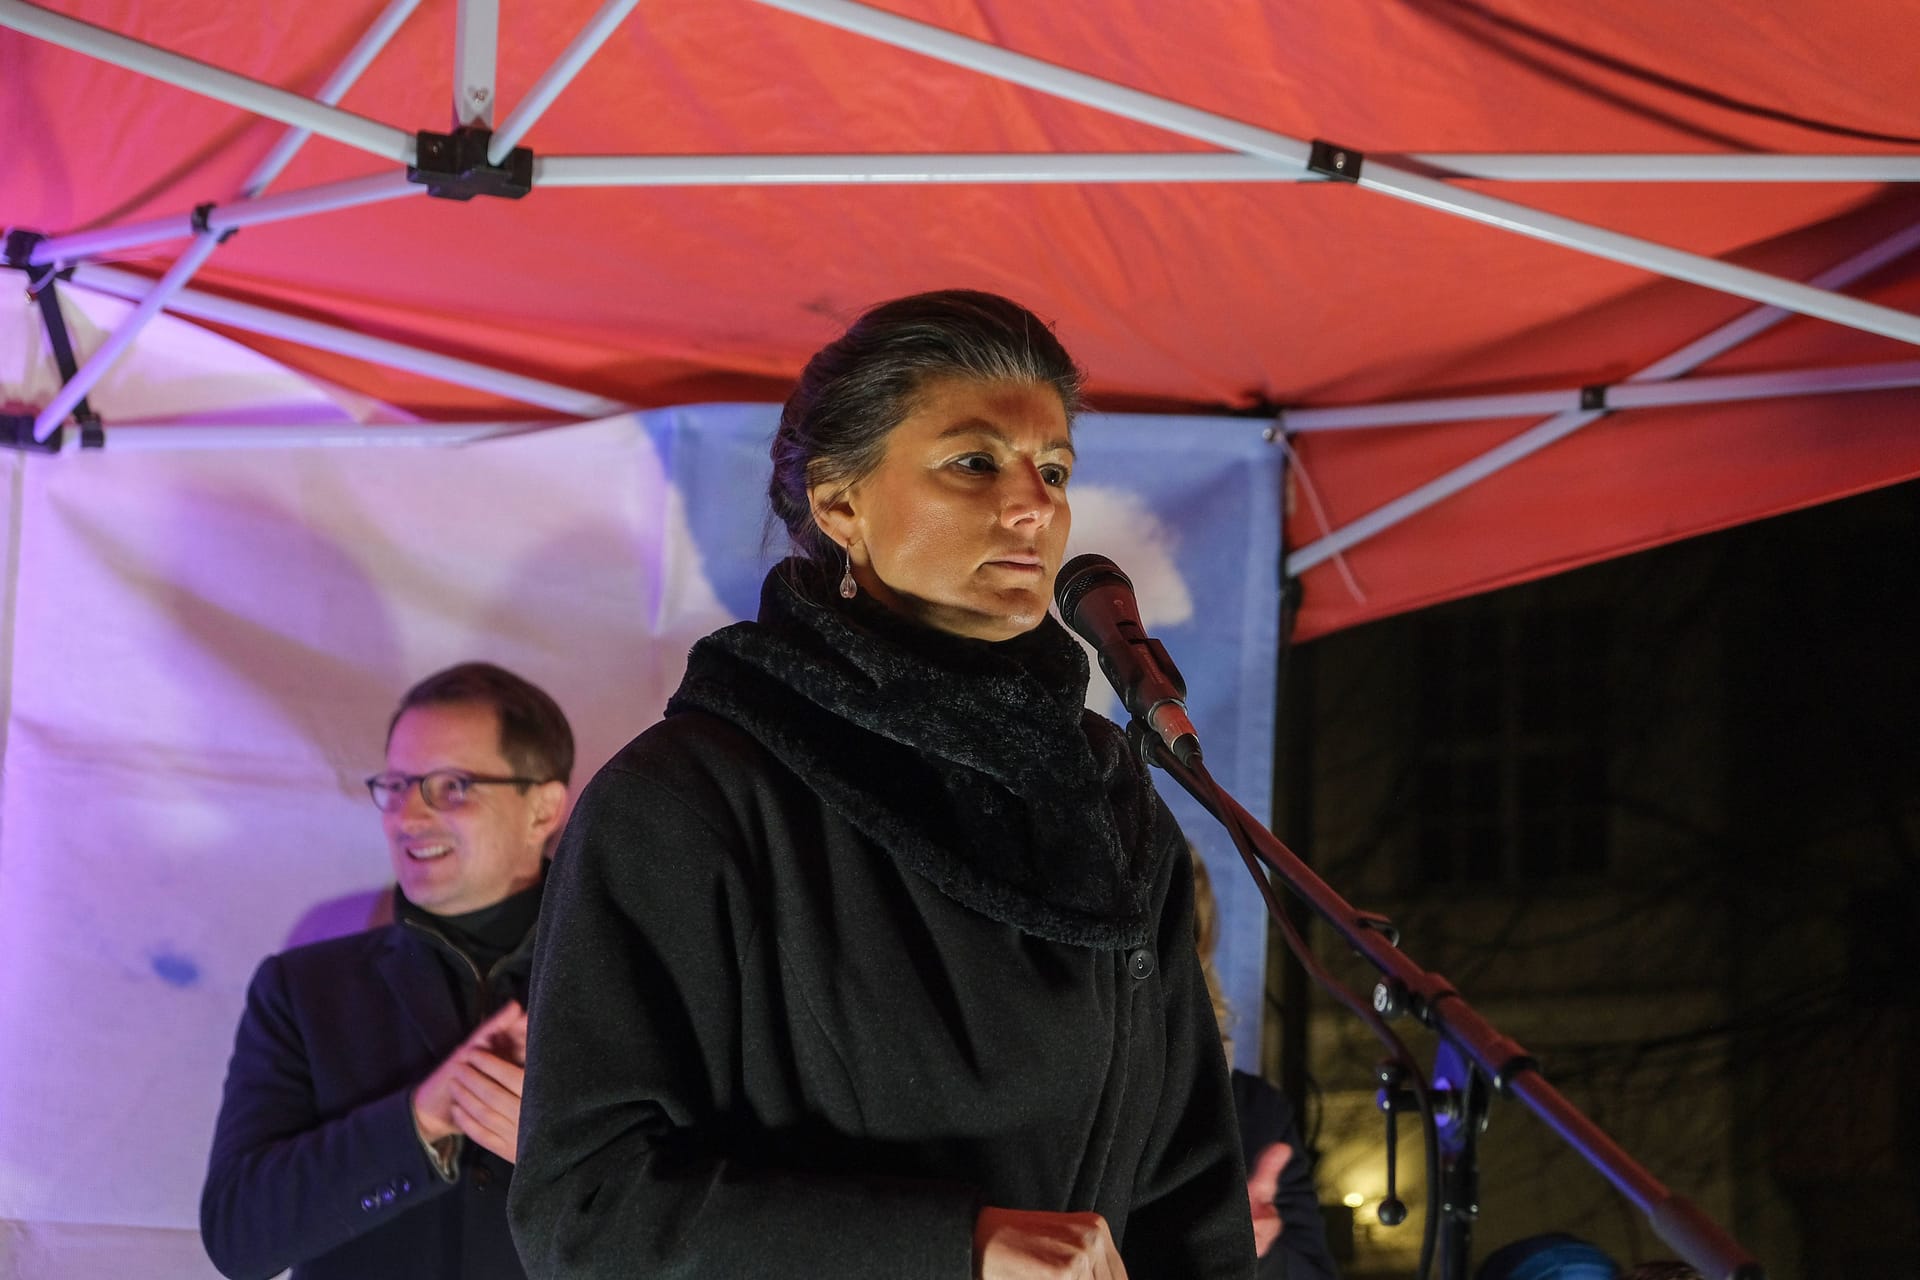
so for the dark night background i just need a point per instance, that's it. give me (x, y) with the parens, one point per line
(1659, 819)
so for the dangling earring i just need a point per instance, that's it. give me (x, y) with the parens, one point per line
(848, 588)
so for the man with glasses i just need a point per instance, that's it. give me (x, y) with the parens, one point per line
(372, 1106)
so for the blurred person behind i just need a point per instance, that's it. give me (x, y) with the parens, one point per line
(1288, 1231)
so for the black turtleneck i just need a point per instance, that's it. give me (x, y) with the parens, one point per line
(484, 937)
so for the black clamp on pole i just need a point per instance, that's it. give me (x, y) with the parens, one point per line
(453, 166)
(16, 429)
(19, 247)
(202, 220)
(1331, 160)
(1594, 398)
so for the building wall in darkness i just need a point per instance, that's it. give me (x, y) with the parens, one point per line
(1658, 819)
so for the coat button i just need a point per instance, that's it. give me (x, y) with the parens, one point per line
(1140, 963)
(482, 1177)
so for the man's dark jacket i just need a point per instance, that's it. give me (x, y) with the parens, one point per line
(316, 1164)
(1266, 1117)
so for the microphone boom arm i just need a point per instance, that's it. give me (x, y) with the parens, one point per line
(1406, 988)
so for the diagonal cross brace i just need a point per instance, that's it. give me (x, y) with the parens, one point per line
(1222, 131)
(43, 285)
(72, 395)
(1696, 353)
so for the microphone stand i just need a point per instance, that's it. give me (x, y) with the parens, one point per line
(1490, 1057)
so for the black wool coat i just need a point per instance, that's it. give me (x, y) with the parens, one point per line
(760, 1046)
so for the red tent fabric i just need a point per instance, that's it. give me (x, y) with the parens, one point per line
(1228, 296)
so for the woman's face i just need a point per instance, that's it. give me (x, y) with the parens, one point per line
(962, 525)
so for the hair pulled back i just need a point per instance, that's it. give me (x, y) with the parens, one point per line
(858, 388)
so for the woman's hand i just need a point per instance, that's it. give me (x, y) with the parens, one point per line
(1020, 1244)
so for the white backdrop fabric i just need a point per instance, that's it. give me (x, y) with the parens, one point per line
(202, 650)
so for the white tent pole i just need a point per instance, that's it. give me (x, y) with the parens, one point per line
(1692, 356)
(223, 217)
(241, 213)
(1517, 167)
(476, 45)
(378, 36)
(174, 437)
(1733, 387)
(1171, 166)
(1719, 389)
(250, 210)
(1075, 86)
(1024, 167)
(1439, 489)
(557, 77)
(1742, 329)
(347, 342)
(733, 170)
(1409, 413)
(1374, 176)
(210, 236)
(1677, 264)
(382, 140)
(1712, 390)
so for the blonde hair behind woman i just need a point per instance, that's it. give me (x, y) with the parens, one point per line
(1206, 932)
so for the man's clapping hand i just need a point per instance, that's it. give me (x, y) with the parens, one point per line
(476, 1091)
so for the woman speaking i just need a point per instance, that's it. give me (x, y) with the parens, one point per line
(875, 957)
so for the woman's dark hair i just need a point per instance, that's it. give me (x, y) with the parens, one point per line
(534, 735)
(859, 387)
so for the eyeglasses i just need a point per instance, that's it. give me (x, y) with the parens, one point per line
(442, 789)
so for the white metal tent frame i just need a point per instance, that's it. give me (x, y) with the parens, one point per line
(490, 161)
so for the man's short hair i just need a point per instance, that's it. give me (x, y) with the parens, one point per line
(534, 735)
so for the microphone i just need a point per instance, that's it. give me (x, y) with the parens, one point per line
(1096, 600)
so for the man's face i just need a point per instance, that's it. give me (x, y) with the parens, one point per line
(451, 861)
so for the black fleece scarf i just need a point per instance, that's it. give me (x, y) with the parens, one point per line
(975, 764)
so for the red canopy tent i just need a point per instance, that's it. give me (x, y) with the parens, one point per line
(1140, 173)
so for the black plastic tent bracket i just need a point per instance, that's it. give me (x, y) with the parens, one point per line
(203, 222)
(1331, 160)
(16, 433)
(16, 429)
(19, 247)
(454, 166)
